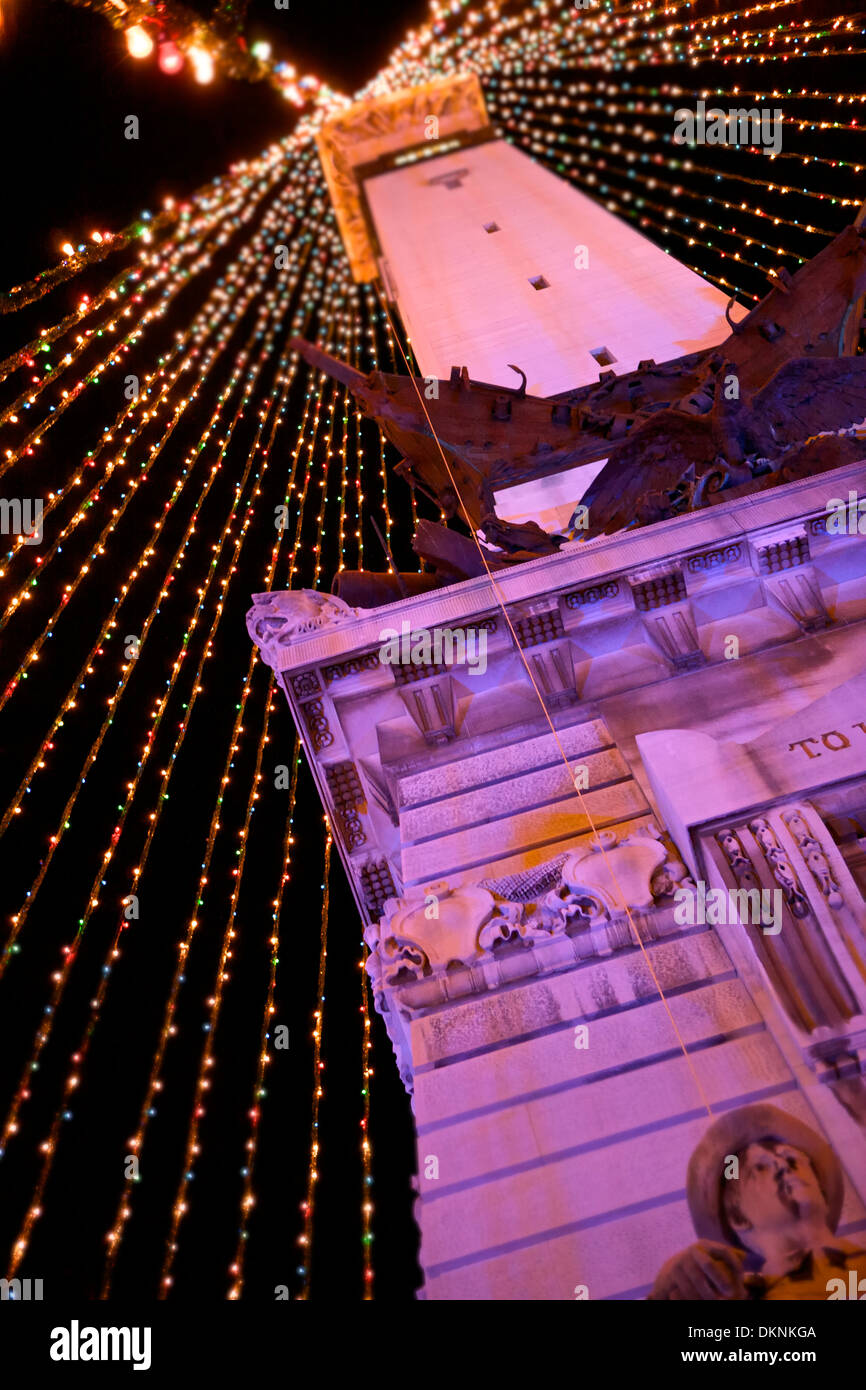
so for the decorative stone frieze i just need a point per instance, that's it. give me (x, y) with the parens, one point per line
(317, 724)
(783, 554)
(307, 683)
(814, 856)
(781, 869)
(428, 932)
(711, 560)
(410, 672)
(811, 944)
(377, 882)
(585, 598)
(438, 927)
(341, 669)
(539, 627)
(658, 589)
(740, 864)
(347, 795)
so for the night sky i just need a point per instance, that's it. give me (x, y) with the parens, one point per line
(66, 85)
(67, 81)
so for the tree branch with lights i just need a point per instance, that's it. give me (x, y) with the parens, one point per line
(180, 35)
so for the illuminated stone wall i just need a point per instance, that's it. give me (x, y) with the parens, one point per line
(560, 1025)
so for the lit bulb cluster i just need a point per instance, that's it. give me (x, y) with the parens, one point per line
(181, 37)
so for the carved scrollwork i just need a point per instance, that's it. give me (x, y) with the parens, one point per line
(432, 931)
(781, 869)
(305, 683)
(739, 861)
(317, 723)
(713, 559)
(617, 874)
(814, 854)
(565, 911)
(581, 598)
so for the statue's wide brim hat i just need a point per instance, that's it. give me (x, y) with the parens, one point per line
(732, 1133)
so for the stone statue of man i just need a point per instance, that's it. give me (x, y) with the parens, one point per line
(765, 1194)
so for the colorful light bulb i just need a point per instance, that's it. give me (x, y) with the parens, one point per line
(139, 42)
(202, 64)
(170, 58)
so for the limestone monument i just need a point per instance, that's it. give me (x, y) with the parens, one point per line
(612, 877)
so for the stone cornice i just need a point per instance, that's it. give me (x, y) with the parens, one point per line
(580, 567)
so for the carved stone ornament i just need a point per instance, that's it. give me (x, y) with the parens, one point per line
(617, 874)
(425, 933)
(780, 867)
(439, 928)
(814, 855)
(278, 619)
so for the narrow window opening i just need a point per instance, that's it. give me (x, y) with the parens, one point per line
(452, 178)
(603, 356)
(538, 282)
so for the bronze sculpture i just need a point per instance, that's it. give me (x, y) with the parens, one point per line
(769, 404)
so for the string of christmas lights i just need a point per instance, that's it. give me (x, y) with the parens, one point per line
(305, 1239)
(247, 1201)
(61, 977)
(180, 36)
(167, 264)
(51, 1143)
(155, 1082)
(214, 1004)
(366, 1148)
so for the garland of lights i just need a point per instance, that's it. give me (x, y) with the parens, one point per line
(277, 320)
(61, 977)
(208, 321)
(50, 1145)
(82, 257)
(214, 1003)
(189, 241)
(366, 1148)
(155, 1082)
(180, 36)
